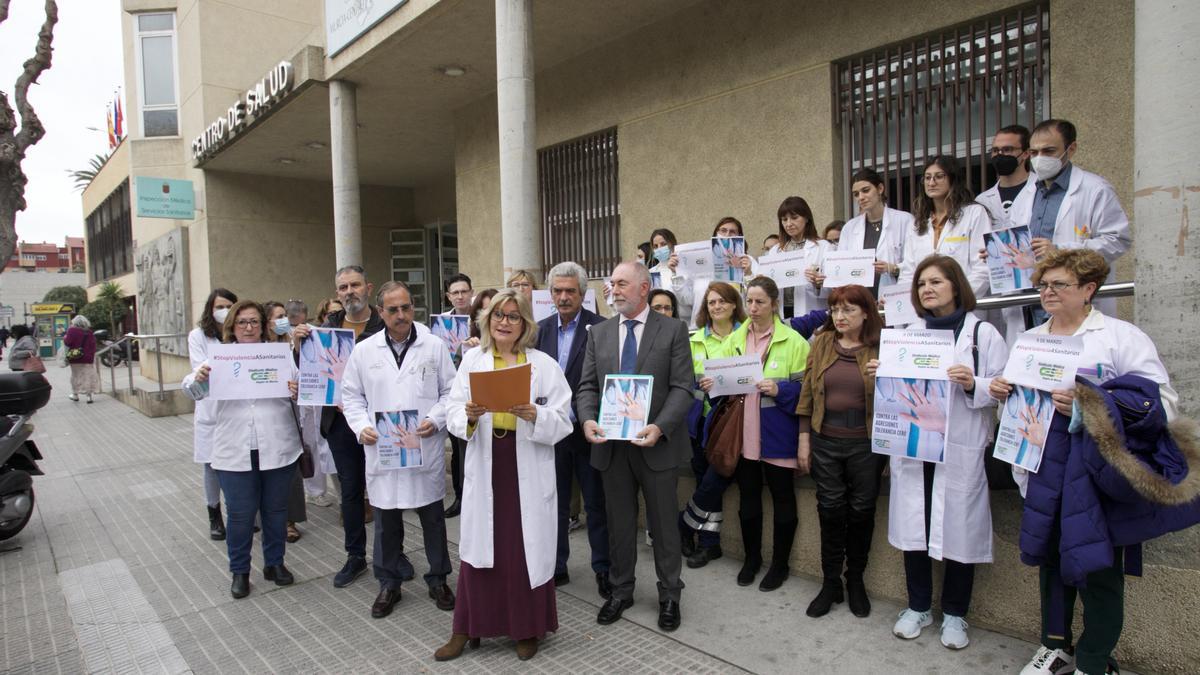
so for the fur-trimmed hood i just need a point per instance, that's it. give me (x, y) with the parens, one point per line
(1126, 421)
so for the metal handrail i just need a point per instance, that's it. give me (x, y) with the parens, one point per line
(1032, 297)
(157, 337)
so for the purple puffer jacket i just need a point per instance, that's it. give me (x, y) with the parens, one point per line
(78, 338)
(1125, 478)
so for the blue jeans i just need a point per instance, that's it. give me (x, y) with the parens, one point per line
(572, 459)
(256, 492)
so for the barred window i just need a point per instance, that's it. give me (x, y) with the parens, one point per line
(581, 205)
(942, 93)
(110, 237)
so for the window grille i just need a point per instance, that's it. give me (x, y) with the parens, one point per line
(110, 237)
(581, 204)
(942, 93)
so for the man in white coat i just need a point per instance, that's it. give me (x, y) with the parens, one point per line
(1010, 161)
(394, 378)
(1067, 207)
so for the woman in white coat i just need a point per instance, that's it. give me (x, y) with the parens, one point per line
(255, 447)
(877, 226)
(510, 506)
(208, 332)
(941, 511)
(947, 221)
(798, 232)
(684, 287)
(395, 370)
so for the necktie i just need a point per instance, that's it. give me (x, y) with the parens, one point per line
(629, 349)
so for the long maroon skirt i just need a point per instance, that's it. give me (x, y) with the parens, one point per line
(498, 601)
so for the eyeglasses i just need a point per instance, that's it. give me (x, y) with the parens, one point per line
(717, 302)
(1056, 286)
(935, 177)
(845, 311)
(520, 284)
(1005, 150)
(728, 232)
(248, 323)
(466, 292)
(663, 309)
(513, 318)
(398, 309)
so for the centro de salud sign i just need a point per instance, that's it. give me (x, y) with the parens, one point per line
(263, 96)
(165, 198)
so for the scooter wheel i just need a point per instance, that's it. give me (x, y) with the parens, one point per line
(11, 528)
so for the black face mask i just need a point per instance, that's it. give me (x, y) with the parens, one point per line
(1005, 165)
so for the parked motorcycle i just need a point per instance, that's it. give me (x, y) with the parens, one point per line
(115, 356)
(21, 395)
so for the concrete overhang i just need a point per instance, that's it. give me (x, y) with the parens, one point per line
(406, 102)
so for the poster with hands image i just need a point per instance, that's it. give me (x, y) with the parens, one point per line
(1024, 422)
(911, 415)
(399, 446)
(1010, 259)
(625, 406)
(453, 329)
(323, 357)
(727, 253)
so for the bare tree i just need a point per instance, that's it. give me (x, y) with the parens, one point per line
(13, 143)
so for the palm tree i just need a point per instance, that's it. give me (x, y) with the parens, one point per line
(84, 177)
(114, 297)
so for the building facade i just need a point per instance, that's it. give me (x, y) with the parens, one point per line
(423, 137)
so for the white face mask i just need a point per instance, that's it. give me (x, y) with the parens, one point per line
(1046, 167)
(219, 315)
(282, 326)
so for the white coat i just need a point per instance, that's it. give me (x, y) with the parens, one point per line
(990, 200)
(960, 523)
(551, 394)
(203, 421)
(371, 383)
(236, 424)
(890, 249)
(960, 240)
(807, 298)
(1090, 216)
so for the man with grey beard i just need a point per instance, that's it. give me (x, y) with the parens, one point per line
(353, 291)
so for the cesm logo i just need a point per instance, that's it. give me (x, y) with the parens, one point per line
(881, 443)
(264, 376)
(857, 273)
(745, 380)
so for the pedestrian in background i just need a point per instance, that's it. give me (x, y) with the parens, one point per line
(80, 342)
(24, 348)
(208, 331)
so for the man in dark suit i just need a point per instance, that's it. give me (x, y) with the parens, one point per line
(638, 341)
(564, 337)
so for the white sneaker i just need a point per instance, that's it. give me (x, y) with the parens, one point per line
(954, 632)
(320, 500)
(910, 623)
(1049, 662)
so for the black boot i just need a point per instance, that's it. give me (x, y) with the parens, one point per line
(216, 524)
(859, 530)
(777, 573)
(833, 556)
(752, 542)
(240, 587)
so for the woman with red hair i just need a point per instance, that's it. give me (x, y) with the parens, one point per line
(835, 416)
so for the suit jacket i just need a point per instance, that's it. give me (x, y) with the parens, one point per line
(548, 344)
(663, 353)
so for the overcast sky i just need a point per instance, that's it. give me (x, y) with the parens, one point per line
(69, 97)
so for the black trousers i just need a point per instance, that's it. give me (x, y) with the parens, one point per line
(351, 463)
(847, 473)
(391, 565)
(959, 579)
(750, 476)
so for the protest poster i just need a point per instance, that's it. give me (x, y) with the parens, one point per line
(1010, 259)
(912, 394)
(843, 268)
(785, 268)
(323, 357)
(1045, 362)
(734, 375)
(898, 309)
(249, 371)
(399, 446)
(695, 260)
(1024, 421)
(453, 329)
(625, 406)
(727, 253)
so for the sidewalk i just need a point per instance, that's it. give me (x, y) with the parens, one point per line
(115, 572)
